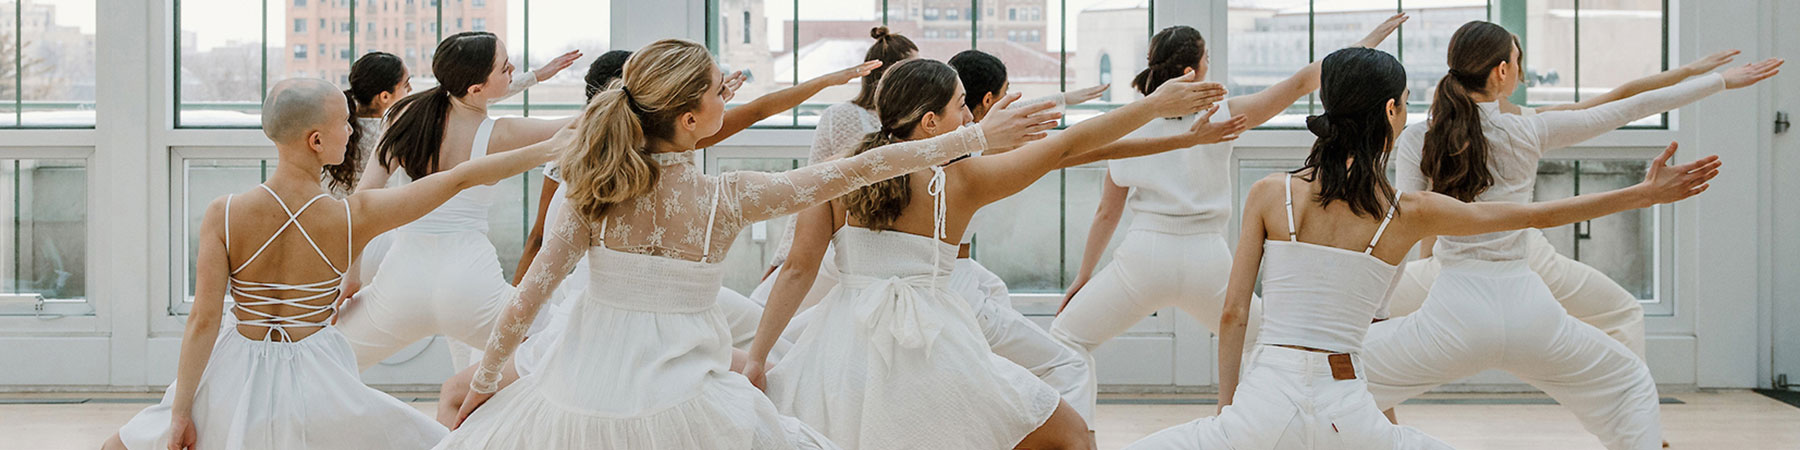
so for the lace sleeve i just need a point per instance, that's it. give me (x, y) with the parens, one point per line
(564, 244)
(754, 196)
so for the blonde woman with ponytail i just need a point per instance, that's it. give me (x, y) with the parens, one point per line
(1487, 309)
(644, 362)
(893, 358)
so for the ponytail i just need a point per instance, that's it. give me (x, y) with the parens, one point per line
(415, 133)
(879, 205)
(341, 177)
(1456, 154)
(610, 164)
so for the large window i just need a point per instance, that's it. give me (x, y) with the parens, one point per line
(1573, 49)
(230, 51)
(47, 63)
(1048, 45)
(43, 230)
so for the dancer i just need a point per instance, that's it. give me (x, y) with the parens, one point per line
(1327, 240)
(284, 377)
(378, 80)
(1487, 310)
(740, 313)
(1174, 252)
(894, 359)
(645, 364)
(1584, 291)
(441, 276)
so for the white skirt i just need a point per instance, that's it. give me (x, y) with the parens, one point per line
(286, 395)
(895, 363)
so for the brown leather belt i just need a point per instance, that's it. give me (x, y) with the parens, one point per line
(1342, 367)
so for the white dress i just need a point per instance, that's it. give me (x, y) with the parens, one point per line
(894, 359)
(644, 360)
(282, 394)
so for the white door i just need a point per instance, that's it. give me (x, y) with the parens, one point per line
(1785, 205)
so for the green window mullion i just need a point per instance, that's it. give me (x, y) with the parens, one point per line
(794, 49)
(18, 82)
(526, 96)
(1400, 34)
(1312, 52)
(353, 53)
(974, 17)
(1577, 45)
(262, 92)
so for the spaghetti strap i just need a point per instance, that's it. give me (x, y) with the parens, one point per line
(706, 245)
(349, 233)
(294, 221)
(248, 294)
(1287, 187)
(479, 147)
(228, 220)
(1384, 224)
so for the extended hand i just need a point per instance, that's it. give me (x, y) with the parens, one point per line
(470, 402)
(1085, 95)
(1710, 62)
(1382, 31)
(1205, 131)
(1007, 127)
(1752, 73)
(556, 65)
(853, 72)
(1668, 184)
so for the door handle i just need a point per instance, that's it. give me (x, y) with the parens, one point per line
(1781, 122)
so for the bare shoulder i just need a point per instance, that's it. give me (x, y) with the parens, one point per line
(1268, 190)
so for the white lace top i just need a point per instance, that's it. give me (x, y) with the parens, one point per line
(673, 219)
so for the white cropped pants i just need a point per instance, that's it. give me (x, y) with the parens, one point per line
(1499, 315)
(1288, 400)
(1585, 292)
(449, 284)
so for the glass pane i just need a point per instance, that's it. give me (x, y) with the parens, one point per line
(220, 78)
(1015, 239)
(9, 92)
(1107, 43)
(205, 180)
(1269, 42)
(558, 26)
(510, 219)
(1621, 40)
(1620, 245)
(58, 62)
(1034, 68)
(1426, 39)
(45, 233)
(405, 28)
(749, 35)
(1549, 52)
(752, 249)
(942, 27)
(833, 34)
(312, 40)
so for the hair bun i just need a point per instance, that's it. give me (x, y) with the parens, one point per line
(1319, 125)
(878, 32)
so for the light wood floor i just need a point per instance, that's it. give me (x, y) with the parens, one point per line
(1732, 420)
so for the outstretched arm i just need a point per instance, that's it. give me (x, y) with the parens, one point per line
(1106, 221)
(1203, 131)
(1265, 105)
(1649, 83)
(1565, 128)
(523, 80)
(1442, 215)
(996, 177)
(739, 118)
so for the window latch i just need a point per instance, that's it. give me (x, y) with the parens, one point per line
(1781, 122)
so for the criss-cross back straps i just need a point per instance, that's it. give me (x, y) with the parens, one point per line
(711, 215)
(293, 220)
(1384, 224)
(1294, 232)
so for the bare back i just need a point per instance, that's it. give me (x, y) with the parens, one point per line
(286, 256)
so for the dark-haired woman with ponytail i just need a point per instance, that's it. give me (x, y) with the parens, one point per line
(893, 358)
(1327, 240)
(440, 274)
(1174, 253)
(1488, 309)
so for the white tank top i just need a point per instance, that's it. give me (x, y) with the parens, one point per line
(468, 210)
(1184, 191)
(1319, 296)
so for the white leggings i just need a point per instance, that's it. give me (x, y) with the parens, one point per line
(1289, 400)
(1585, 292)
(1499, 315)
(1009, 334)
(449, 284)
(1150, 271)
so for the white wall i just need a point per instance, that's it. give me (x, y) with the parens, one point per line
(1709, 341)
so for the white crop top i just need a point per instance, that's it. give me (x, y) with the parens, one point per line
(1323, 297)
(468, 210)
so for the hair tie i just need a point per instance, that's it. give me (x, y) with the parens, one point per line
(631, 102)
(1319, 125)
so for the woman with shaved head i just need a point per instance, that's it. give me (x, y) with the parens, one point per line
(284, 376)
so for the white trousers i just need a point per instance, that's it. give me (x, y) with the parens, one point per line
(449, 284)
(1288, 400)
(1150, 271)
(1009, 334)
(1585, 292)
(1499, 315)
